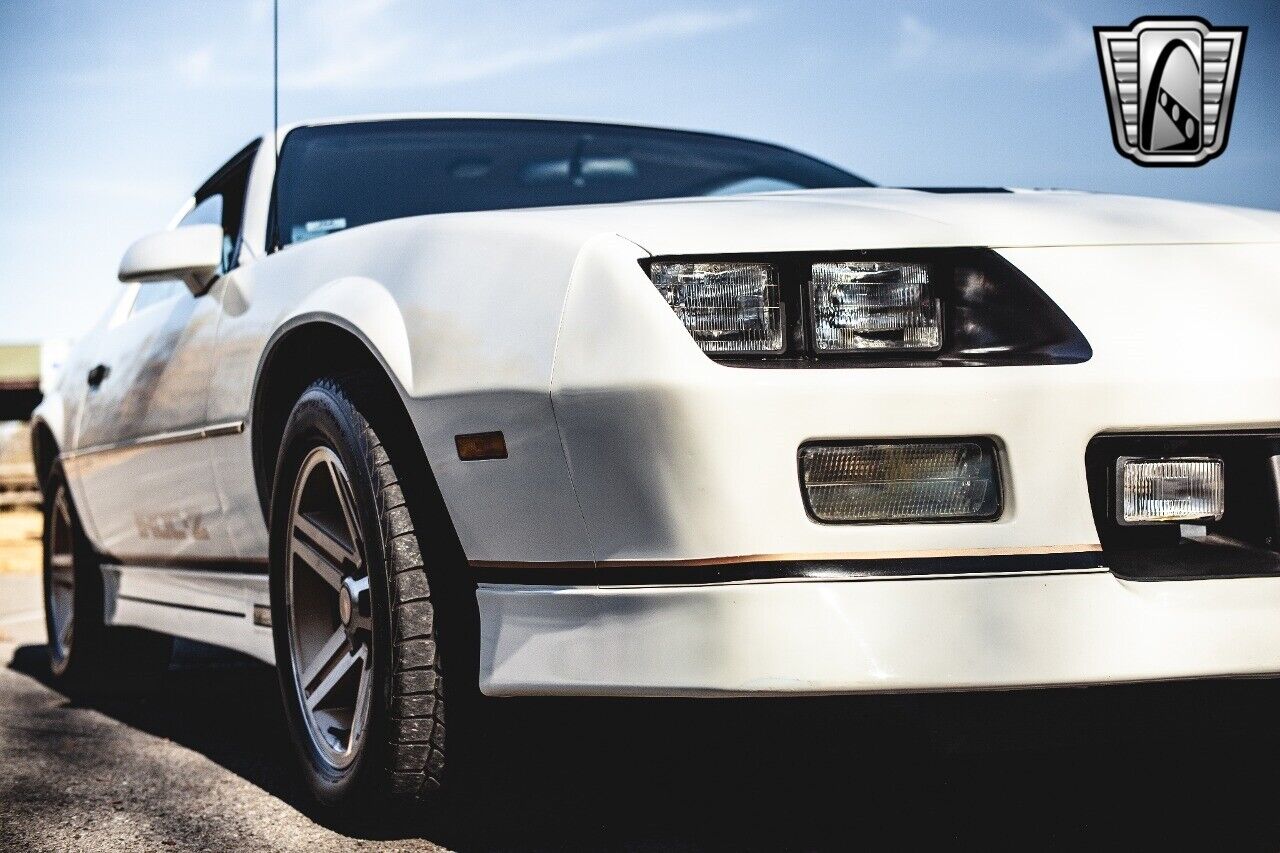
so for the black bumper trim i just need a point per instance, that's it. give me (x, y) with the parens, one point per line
(874, 569)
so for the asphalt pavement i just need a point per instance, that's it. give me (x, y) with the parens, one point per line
(202, 763)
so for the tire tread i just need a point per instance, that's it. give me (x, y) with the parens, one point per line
(416, 732)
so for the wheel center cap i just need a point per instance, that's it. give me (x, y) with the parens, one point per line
(346, 603)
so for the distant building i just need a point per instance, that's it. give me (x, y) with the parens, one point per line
(19, 381)
(21, 369)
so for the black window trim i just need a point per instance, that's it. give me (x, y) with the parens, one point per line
(273, 226)
(211, 186)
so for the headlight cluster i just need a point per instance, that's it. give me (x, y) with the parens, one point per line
(904, 307)
(874, 305)
(727, 307)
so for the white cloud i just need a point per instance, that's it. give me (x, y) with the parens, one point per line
(387, 44)
(921, 46)
(196, 67)
(460, 62)
(342, 43)
(916, 40)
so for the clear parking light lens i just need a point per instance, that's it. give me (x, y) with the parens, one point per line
(1157, 491)
(874, 305)
(901, 481)
(727, 307)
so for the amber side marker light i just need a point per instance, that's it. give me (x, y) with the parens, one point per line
(473, 446)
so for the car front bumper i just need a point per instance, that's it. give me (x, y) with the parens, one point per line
(679, 464)
(859, 636)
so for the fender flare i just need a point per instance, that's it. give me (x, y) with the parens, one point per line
(361, 308)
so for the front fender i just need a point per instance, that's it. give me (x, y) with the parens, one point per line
(362, 307)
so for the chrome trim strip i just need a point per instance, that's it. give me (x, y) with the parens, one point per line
(155, 602)
(160, 438)
(1275, 473)
(933, 553)
(543, 588)
(158, 571)
(896, 568)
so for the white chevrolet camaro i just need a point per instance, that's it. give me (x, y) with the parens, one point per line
(535, 407)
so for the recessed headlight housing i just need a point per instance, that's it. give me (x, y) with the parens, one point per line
(732, 308)
(964, 307)
(874, 305)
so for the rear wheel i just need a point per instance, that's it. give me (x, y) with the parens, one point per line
(60, 581)
(354, 612)
(85, 654)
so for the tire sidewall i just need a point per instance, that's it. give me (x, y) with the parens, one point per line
(324, 418)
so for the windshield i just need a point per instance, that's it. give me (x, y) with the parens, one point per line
(339, 176)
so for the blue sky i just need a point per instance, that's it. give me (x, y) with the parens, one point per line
(110, 115)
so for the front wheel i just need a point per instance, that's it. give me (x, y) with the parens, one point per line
(352, 609)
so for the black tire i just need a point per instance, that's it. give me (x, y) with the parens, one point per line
(402, 753)
(87, 657)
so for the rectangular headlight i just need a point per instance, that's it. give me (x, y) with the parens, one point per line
(901, 481)
(874, 305)
(1159, 491)
(728, 307)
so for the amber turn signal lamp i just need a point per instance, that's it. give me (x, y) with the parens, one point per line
(473, 446)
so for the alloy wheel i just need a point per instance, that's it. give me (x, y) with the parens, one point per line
(62, 581)
(330, 625)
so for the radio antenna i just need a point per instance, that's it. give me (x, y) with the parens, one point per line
(275, 78)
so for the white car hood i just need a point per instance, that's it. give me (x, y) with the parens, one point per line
(897, 218)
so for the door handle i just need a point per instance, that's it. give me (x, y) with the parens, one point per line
(97, 374)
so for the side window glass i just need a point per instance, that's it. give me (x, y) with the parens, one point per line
(153, 293)
(220, 201)
(232, 190)
(207, 212)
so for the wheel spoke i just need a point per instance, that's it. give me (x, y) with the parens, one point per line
(337, 551)
(363, 695)
(64, 633)
(61, 571)
(340, 493)
(319, 562)
(325, 656)
(341, 666)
